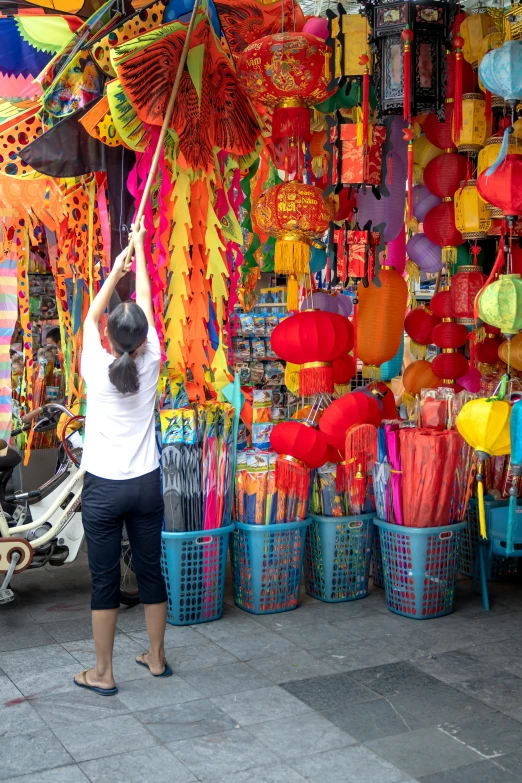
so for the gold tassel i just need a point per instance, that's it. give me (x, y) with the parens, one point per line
(342, 388)
(413, 226)
(449, 256)
(417, 350)
(412, 270)
(371, 371)
(292, 256)
(292, 294)
(480, 334)
(408, 401)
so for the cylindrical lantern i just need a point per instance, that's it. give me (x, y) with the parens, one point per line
(502, 187)
(471, 215)
(313, 340)
(380, 320)
(474, 132)
(441, 305)
(449, 335)
(439, 227)
(450, 365)
(295, 214)
(343, 413)
(300, 441)
(419, 375)
(465, 285)
(288, 72)
(425, 254)
(500, 304)
(473, 29)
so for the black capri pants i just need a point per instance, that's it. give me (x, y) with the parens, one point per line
(106, 506)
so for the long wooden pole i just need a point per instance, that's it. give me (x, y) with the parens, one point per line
(165, 124)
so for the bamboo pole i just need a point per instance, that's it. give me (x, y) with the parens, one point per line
(165, 124)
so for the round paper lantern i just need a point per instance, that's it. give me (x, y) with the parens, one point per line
(439, 227)
(300, 441)
(443, 175)
(502, 187)
(423, 201)
(419, 324)
(419, 375)
(380, 319)
(441, 305)
(319, 300)
(501, 71)
(424, 253)
(423, 152)
(384, 397)
(288, 72)
(295, 214)
(318, 26)
(313, 340)
(449, 335)
(487, 351)
(344, 305)
(465, 286)
(513, 352)
(343, 413)
(393, 368)
(440, 133)
(500, 304)
(450, 365)
(343, 370)
(471, 215)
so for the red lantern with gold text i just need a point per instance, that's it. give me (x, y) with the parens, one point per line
(287, 72)
(313, 339)
(502, 187)
(465, 285)
(346, 411)
(380, 320)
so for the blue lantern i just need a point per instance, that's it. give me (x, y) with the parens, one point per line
(317, 256)
(501, 71)
(393, 368)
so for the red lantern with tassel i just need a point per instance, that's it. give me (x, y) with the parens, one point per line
(440, 133)
(419, 324)
(384, 396)
(439, 227)
(360, 457)
(449, 335)
(408, 136)
(465, 285)
(449, 366)
(502, 187)
(301, 441)
(443, 175)
(486, 352)
(313, 339)
(345, 412)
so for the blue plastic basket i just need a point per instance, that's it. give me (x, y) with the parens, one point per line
(420, 568)
(496, 567)
(267, 561)
(377, 571)
(337, 557)
(194, 566)
(497, 532)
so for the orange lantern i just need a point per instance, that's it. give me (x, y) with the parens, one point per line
(288, 73)
(419, 375)
(380, 320)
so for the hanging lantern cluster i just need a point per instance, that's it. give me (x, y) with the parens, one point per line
(313, 340)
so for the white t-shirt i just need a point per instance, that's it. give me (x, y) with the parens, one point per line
(120, 440)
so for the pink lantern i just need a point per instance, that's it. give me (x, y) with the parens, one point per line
(318, 26)
(396, 252)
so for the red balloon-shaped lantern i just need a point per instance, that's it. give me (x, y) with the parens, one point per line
(486, 352)
(346, 411)
(385, 398)
(465, 286)
(502, 187)
(419, 324)
(343, 370)
(300, 441)
(449, 366)
(441, 305)
(449, 335)
(443, 174)
(440, 133)
(439, 227)
(313, 339)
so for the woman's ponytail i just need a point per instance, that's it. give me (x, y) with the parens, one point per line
(123, 374)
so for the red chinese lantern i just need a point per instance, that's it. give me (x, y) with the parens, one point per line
(301, 441)
(449, 335)
(449, 366)
(343, 413)
(441, 305)
(502, 187)
(440, 133)
(443, 175)
(343, 370)
(293, 213)
(380, 320)
(418, 325)
(419, 375)
(439, 227)
(313, 339)
(465, 285)
(287, 72)
(385, 398)
(486, 352)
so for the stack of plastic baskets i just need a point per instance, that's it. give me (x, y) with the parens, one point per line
(496, 567)
(194, 567)
(420, 568)
(267, 562)
(337, 557)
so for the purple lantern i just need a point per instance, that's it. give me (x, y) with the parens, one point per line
(319, 300)
(424, 253)
(423, 201)
(386, 213)
(344, 305)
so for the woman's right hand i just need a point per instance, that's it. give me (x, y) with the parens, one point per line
(138, 233)
(121, 266)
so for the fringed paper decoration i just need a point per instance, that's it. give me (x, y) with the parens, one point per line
(8, 316)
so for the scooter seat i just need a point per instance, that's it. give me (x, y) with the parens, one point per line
(10, 460)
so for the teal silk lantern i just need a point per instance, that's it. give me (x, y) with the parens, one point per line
(501, 71)
(515, 424)
(393, 368)
(317, 256)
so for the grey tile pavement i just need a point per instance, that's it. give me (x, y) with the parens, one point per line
(331, 692)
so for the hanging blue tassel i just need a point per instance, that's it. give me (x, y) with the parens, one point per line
(503, 152)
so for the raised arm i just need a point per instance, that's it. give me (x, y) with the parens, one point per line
(143, 293)
(102, 299)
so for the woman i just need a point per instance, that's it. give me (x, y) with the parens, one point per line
(120, 457)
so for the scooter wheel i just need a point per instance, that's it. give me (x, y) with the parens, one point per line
(129, 598)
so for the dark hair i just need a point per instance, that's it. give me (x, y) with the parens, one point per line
(127, 327)
(54, 334)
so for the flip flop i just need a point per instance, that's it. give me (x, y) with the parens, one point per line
(167, 673)
(94, 688)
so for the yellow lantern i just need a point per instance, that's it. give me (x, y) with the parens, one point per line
(484, 424)
(471, 215)
(489, 153)
(356, 31)
(475, 129)
(474, 29)
(423, 152)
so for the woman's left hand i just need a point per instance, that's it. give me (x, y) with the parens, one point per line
(121, 265)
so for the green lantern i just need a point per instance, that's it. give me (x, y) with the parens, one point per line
(501, 304)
